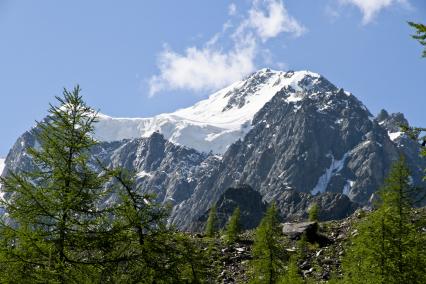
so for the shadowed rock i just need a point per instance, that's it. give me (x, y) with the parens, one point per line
(310, 229)
(247, 199)
(296, 230)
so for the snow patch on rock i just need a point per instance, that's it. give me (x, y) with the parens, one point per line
(142, 174)
(2, 165)
(347, 187)
(394, 135)
(335, 167)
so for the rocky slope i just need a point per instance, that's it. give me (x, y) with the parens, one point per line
(304, 143)
(293, 137)
(317, 263)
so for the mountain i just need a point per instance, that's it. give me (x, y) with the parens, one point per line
(293, 137)
(212, 124)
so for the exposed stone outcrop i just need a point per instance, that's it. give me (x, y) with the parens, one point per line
(247, 199)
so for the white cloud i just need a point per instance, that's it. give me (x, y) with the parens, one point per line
(201, 69)
(270, 18)
(232, 9)
(211, 67)
(370, 8)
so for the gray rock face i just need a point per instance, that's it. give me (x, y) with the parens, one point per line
(405, 146)
(295, 205)
(326, 144)
(161, 167)
(319, 145)
(252, 208)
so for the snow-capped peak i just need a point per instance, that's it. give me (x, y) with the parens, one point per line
(216, 122)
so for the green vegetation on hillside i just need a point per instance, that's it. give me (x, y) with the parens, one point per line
(388, 246)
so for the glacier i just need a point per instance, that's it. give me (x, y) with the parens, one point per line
(213, 124)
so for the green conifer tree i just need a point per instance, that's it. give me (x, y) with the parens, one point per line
(58, 227)
(211, 225)
(292, 275)
(143, 246)
(420, 34)
(269, 256)
(388, 246)
(313, 212)
(54, 223)
(233, 227)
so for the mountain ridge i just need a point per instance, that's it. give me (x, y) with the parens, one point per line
(214, 123)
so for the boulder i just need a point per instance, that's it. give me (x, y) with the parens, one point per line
(295, 230)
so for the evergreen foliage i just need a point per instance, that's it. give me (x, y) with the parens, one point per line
(211, 225)
(55, 225)
(313, 212)
(389, 247)
(143, 247)
(292, 275)
(420, 34)
(73, 220)
(197, 264)
(233, 227)
(268, 254)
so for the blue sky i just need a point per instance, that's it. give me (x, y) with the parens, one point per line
(125, 54)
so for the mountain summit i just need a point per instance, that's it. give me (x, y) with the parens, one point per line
(221, 119)
(293, 137)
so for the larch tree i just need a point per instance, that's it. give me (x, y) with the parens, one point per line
(58, 227)
(313, 212)
(211, 225)
(420, 34)
(389, 246)
(143, 247)
(292, 275)
(233, 227)
(269, 257)
(54, 224)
